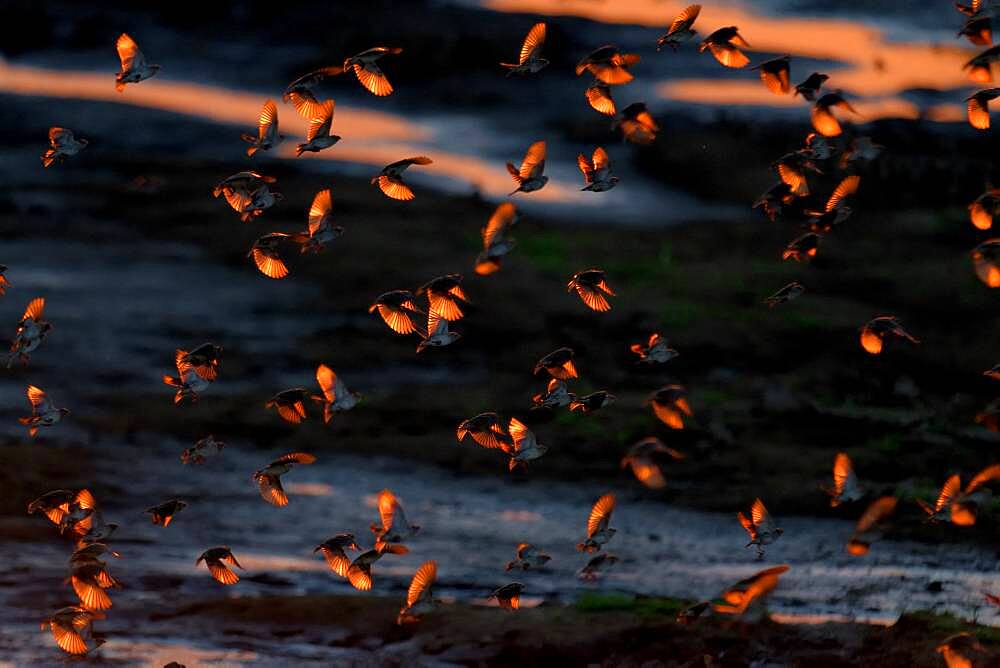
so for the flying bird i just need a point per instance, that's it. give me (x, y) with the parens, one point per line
(556, 395)
(390, 179)
(736, 600)
(774, 200)
(837, 210)
(267, 130)
(980, 65)
(4, 283)
(508, 596)
(43, 412)
(527, 557)
(302, 87)
(809, 88)
(419, 599)
(445, 296)
(845, 483)
(637, 124)
(670, 405)
(250, 204)
(31, 331)
(399, 311)
(366, 69)
(558, 364)
(134, 67)
(963, 650)
(290, 404)
(599, 531)
(802, 248)
(334, 550)
(202, 450)
(321, 231)
(497, 241)
(986, 262)
(392, 525)
(608, 65)
(862, 150)
(876, 330)
(71, 627)
(592, 287)
(760, 527)
(215, 559)
(724, 44)
(163, 513)
(529, 177)
(188, 382)
(681, 29)
(487, 430)
(336, 397)
(866, 529)
(984, 208)
(775, 74)
(792, 169)
(438, 334)
(785, 294)
(597, 171)
(958, 506)
(62, 144)
(526, 446)
(204, 359)
(268, 479)
(319, 116)
(530, 60)
(591, 403)
(592, 570)
(89, 579)
(359, 573)
(264, 254)
(823, 120)
(979, 107)
(58, 503)
(243, 182)
(599, 97)
(656, 350)
(641, 458)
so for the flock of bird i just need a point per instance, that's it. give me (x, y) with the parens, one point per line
(429, 310)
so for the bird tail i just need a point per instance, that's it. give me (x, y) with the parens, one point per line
(48, 158)
(300, 149)
(171, 381)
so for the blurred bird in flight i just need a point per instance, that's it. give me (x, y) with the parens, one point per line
(597, 171)
(681, 29)
(599, 530)
(134, 67)
(530, 60)
(527, 557)
(390, 179)
(216, 559)
(641, 458)
(875, 332)
(724, 44)
(608, 65)
(31, 331)
(43, 412)
(592, 287)
(529, 177)
(760, 527)
(656, 350)
(267, 130)
(62, 144)
(268, 479)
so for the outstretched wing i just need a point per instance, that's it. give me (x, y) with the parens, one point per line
(422, 579)
(845, 188)
(373, 79)
(129, 53)
(534, 161)
(268, 116)
(272, 491)
(685, 19)
(327, 380)
(600, 514)
(322, 204)
(39, 400)
(532, 43)
(35, 309)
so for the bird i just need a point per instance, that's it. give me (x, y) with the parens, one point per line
(43, 412)
(862, 150)
(837, 210)
(321, 230)
(392, 525)
(487, 430)
(963, 650)
(986, 262)
(980, 65)
(304, 84)
(267, 130)
(608, 65)
(399, 311)
(993, 372)
(559, 364)
(817, 147)
(31, 331)
(599, 531)
(591, 403)
(56, 504)
(845, 483)
(438, 334)
(681, 29)
(975, 8)
(134, 67)
(69, 627)
(774, 200)
(592, 287)
(600, 100)
(760, 527)
(390, 179)
(529, 177)
(334, 551)
(215, 559)
(162, 514)
(204, 359)
(670, 405)
(984, 208)
(91, 553)
(597, 171)
(875, 331)
(958, 506)
(445, 296)
(268, 479)
(290, 404)
(419, 599)
(724, 44)
(4, 283)
(508, 596)
(809, 88)
(736, 599)
(556, 395)
(187, 381)
(201, 450)
(775, 74)
(978, 29)
(641, 459)
(785, 294)
(62, 144)
(87, 525)
(637, 124)
(336, 397)
(319, 116)
(264, 253)
(823, 120)
(792, 169)
(251, 204)
(497, 241)
(89, 579)
(527, 557)
(529, 60)
(978, 105)
(591, 571)
(359, 573)
(245, 182)
(802, 248)
(526, 446)
(865, 531)
(656, 350)
(366, 69)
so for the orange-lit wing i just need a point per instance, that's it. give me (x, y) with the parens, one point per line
(297, 457)
(128, 52)
(986, 476)
(422, 579)
(37, 398)
(609, 73)
(949, 490)
(395, 188)
(320, 121)
(728, 55)
(648, 472)
(322, 204)
(35, 309)
(845, 188)
(532, 43)
(879, 510)
(68, 639)
(825, 122)
(268, 115)
(600, 514)
(441, 307)
(776, 82)
(592, 298)
(986, 270)
(501, 219)
(327, 380)
(793, 178)
(269, 264)
(373, 79)
(272, 491)
(290, 413)
(237, 199)
(222, 573)
(759, 513)
(980, 215)
(339, 563)
(601, 161)
(360, 577)
(534, 161)
(841, 472)
(600, 100)
(668, 415)
(518, 430)
(979, 114)
(747, 525)
(84, 499)
(585, 167)
(386, 508)
(685, 19)
(870, 341)
(91, 596)
(397, 320)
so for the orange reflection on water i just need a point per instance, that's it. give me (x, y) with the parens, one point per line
(370, 137)
(875, 66)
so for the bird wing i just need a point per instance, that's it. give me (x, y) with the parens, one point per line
(268, 117)
(979, 113)
(395, 188)
(759, 514)
(592, 297)
(68, 639)
(601, 161)
(825, 122)
(397, 319)
(269, 263)
(423, 578)
(845, 188)
(534, 161)
(387, 508)
(327, 380)
(271, 490)
(533, 43)
(35, 309)
(498, 223)
(296, 458)
(59, 137)
(842, 472)
(322, 204)
(987, 475)
(949, 490)
(647, 472)
(129, 53)
(239, 200)
(360, 576)
(373, 79)
(294, 413)
(337, 560)
(601, 101)
(611, 73)
(776, 82)
(586, 167)
(685, 19)
(221, 572)
(748, 525)
(728, 55)
(320, 120)
(600, 514)
(875, 513)
(39, 400)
